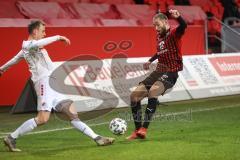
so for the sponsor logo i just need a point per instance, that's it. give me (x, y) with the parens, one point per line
(163, 77)
(226, 66)
(161, 45)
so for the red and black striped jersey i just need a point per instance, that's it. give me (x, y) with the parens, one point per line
(169, 49)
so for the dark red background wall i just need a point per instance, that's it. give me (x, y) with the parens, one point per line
(84, 41)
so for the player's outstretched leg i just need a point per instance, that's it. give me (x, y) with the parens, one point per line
(104, 141)
(156, 90)
(137, 117)
(27, 126)
(85, 129)
(68, 109)
(136, 96)
(10, 142)
(150, 110)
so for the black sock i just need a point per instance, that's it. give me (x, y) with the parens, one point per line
(137, 114)
(150, 110)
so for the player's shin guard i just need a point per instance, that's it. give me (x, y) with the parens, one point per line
(150, 110)
(26, 127)
(84, 128)
(137, 114)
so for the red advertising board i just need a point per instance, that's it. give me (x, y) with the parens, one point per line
(102, 42)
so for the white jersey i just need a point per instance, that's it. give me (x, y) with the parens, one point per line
(40, 64)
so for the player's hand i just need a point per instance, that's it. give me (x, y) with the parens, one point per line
(65, 39)
(146, 65)
(174, 13)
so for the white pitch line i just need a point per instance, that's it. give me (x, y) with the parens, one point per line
(202, 110)
(103, 123)
(52, 130)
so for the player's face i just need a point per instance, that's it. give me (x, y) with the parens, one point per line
(40, 32)
(160, 25)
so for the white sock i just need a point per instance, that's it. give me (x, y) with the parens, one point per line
(84, 128)
(26, 127)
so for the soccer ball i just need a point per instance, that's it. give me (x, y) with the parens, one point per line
(118, 126)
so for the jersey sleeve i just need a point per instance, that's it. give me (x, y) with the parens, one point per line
(13, 61)
(41, 43)
(179, 31)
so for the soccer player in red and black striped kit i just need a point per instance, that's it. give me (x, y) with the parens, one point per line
(164, 77)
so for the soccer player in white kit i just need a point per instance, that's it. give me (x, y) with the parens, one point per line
(41, 66)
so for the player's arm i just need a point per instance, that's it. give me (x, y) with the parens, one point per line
(46, 41)
(11, 62)
(153, 58)
(182, 24)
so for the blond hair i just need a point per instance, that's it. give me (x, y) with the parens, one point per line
(160, 16)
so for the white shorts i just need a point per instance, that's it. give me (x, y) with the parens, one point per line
(47, 98)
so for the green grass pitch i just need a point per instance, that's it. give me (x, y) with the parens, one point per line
(205, 129)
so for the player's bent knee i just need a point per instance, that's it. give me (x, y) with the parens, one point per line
(71, 116)
(60, 107)
(64, 107)
(133, 96)
(155, 93)
(137, 96)
(153, 96)
(41, 120)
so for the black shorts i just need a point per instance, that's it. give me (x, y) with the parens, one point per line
(167, 78)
